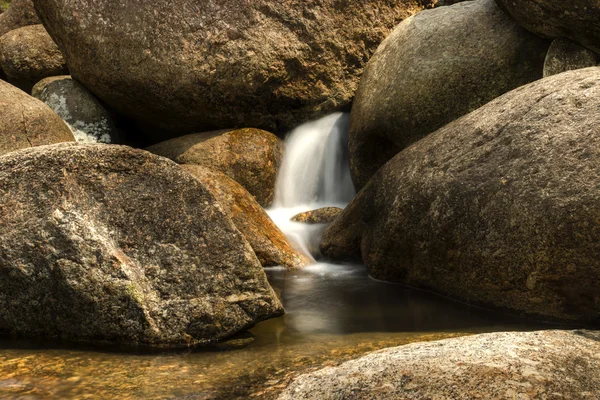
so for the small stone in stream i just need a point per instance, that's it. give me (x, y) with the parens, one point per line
(323, 215)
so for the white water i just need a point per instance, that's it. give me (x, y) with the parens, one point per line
(314, 174)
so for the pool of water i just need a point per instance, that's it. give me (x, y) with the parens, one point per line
(334, 313)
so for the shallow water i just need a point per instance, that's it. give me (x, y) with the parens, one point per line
(333, 313)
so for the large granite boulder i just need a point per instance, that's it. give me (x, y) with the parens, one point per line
(514, 365)
(102, 242)
(195, 65)
(20, 13)
(251, 157)
(566, 55)
(573, 19)
(90, 121)
(27, 122)
(270, 245)
(499, 208)
(434, 68)
(29, 54)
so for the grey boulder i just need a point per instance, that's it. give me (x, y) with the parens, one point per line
(434, 68)
(566, 55)
(499, 208)
(107, 243)
(87, 117)
(514, 365)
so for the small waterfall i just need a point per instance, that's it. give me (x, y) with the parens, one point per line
(314, 174)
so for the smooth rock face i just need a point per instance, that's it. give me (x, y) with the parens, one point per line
(251, 157)
(20, 13)
(268, 242)
(197, 65)
(573, 19)
(27, 122)
(323, 215)
(80, 109)
(28, 55)
(434, 68)
(532, 365)
(500, 207)
(565, 55)
(101, 242)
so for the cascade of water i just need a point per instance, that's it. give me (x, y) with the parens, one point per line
(314, 174)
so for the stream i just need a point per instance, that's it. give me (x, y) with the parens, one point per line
(334, 313)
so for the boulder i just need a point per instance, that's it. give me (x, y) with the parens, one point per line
(251, 157)
(434, 68)
(20, 13)
(268, 242)
(566, 55)
(193, 66)
(573, 19)
(107, 243)
(28, 55)
(323, 215)
(499, 208)
(514, 365)
(90, 121)
(27, 122)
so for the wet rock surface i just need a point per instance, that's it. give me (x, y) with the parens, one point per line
(573, 19)
(89, 120)
(27, 122)
(323, 215)
(251, 157)
(434, 68)
(258, 63)
(566, 55)
(270, 245)
(546, 364)
(108, 243)
(29, 54)
(498, 208)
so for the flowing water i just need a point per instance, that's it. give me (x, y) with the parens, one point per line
(334, 312)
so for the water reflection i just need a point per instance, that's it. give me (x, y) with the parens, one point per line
(334, 313)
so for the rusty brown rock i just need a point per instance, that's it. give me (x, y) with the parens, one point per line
(499, 208)
(512, 365)
(108, 243)
(20, 13)
(197, 65)
(28, 55)
(573, 19)
(268, 242)
(323, 215)
(434, 68)
(27, 122)
(251, 157)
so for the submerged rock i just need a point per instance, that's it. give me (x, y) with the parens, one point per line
(565, 55)
(268, 242)
(29, 54)
(573, 19)
(251, 157)
(434, 68)
(20, 13)
(547, 364)
(323, 215)
(87, 117)
(108, 243)
(499, 208)
(27, 122)
(197, 65)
